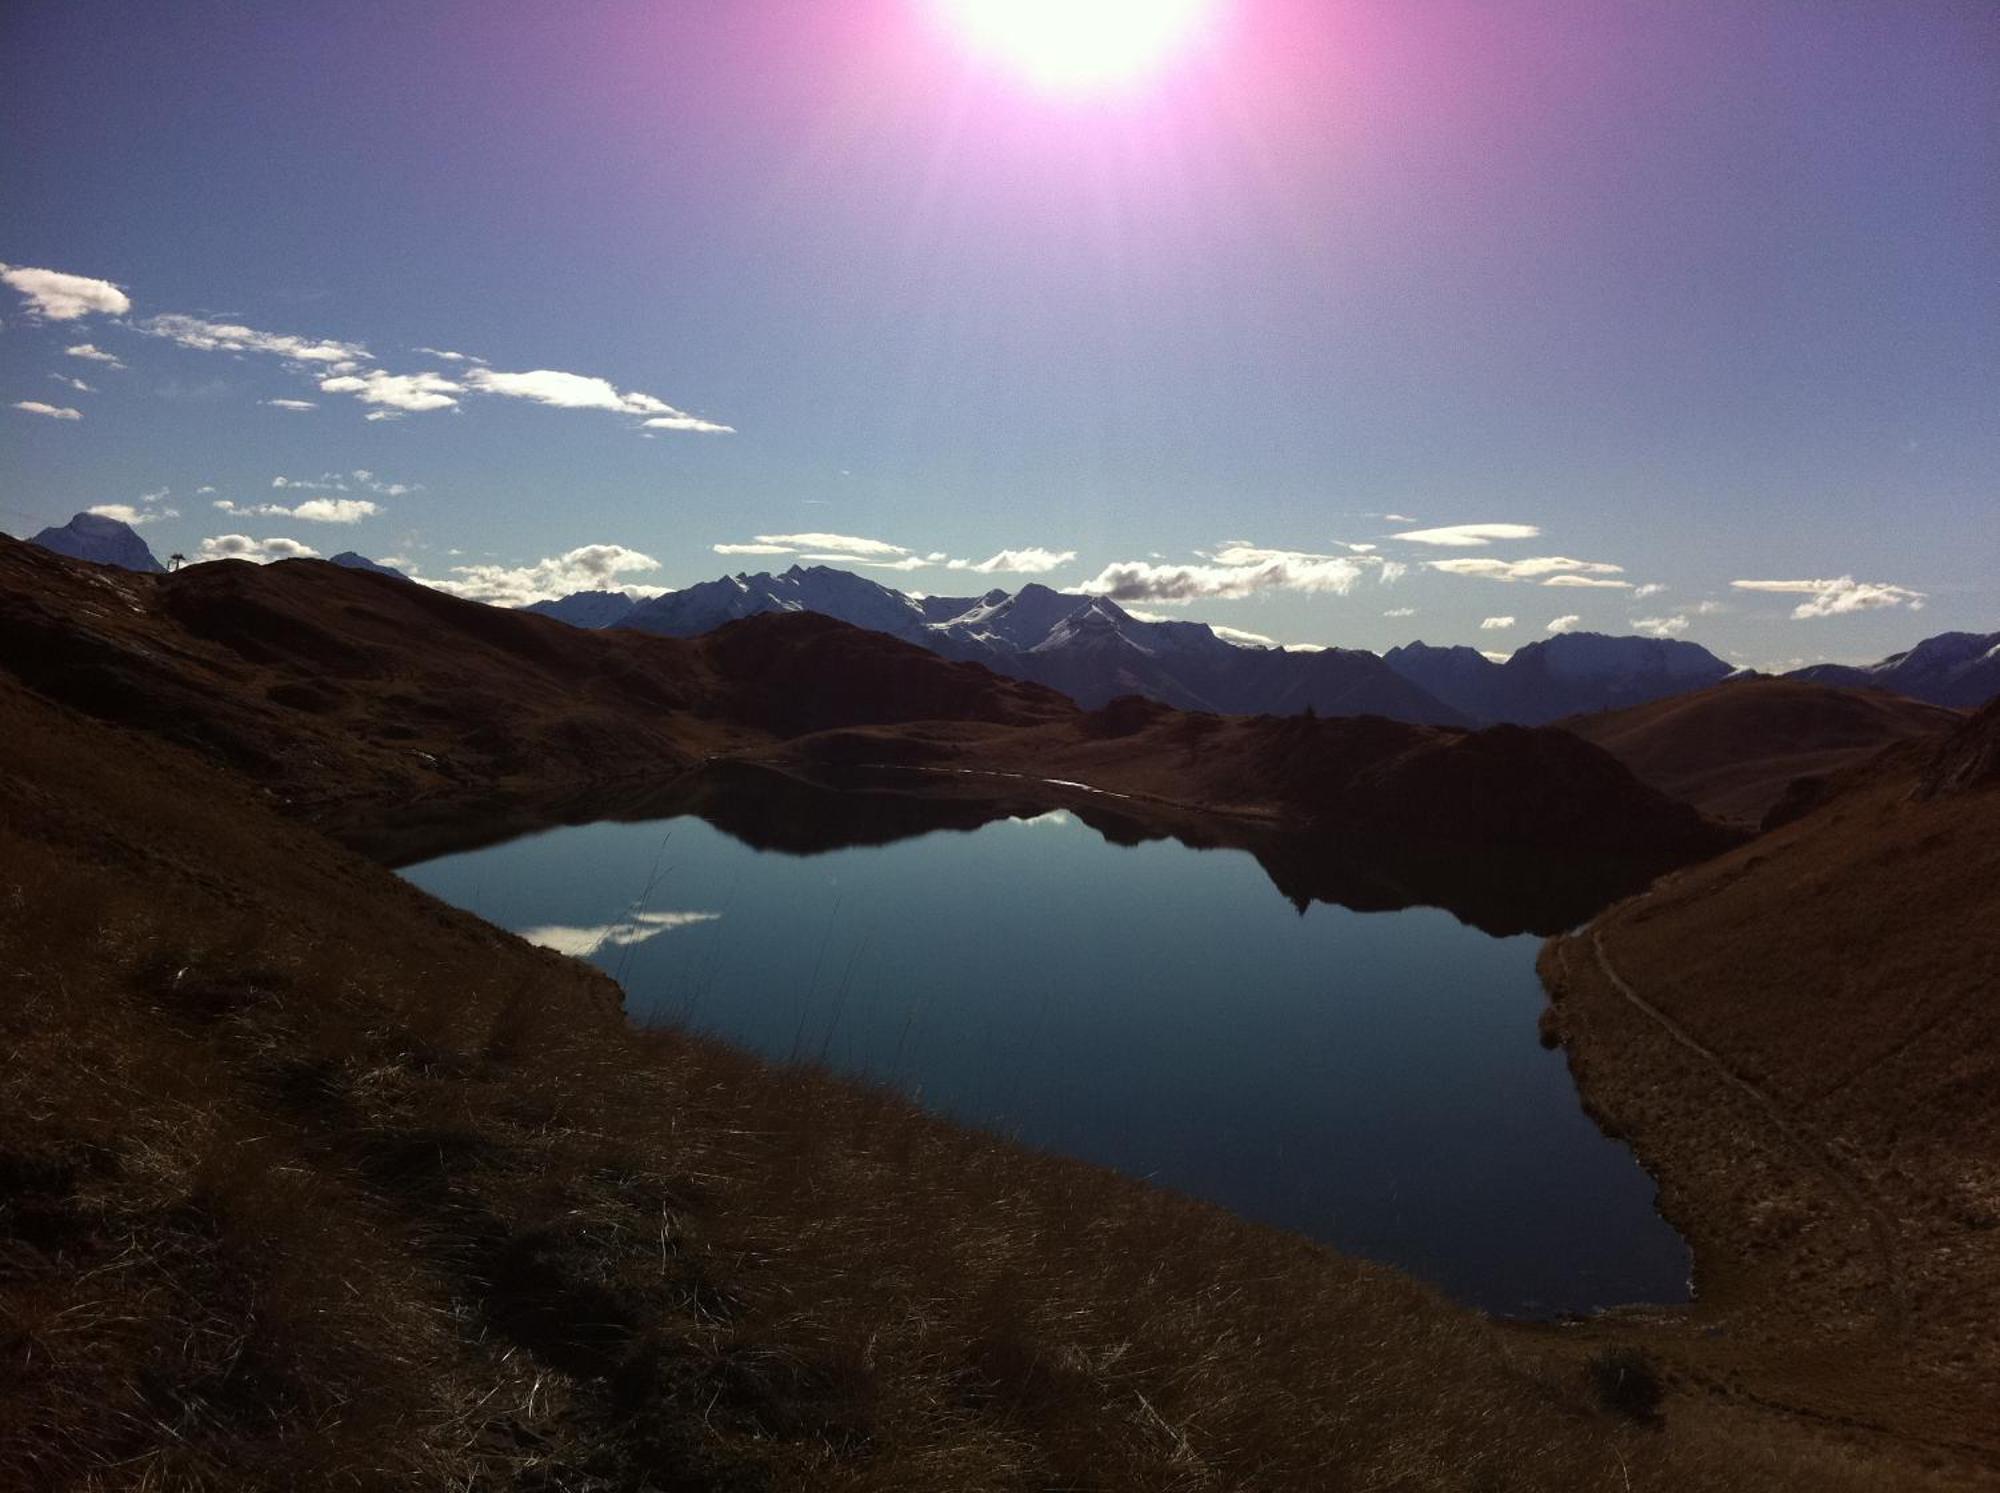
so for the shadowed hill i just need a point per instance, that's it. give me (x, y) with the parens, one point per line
(326, 682)
(338, 688)
(1800, 1039)
(1732, 749)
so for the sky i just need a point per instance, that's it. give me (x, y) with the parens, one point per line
(1331, 322)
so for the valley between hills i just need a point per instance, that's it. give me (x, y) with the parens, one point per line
(314, 1181)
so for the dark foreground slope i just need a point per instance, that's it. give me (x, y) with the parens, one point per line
(1801, 1038)
(312, 1182)
(1733, 749)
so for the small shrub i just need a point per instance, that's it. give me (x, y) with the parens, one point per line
(1627, 1382)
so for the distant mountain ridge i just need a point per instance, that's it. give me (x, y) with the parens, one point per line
(101, 540)
(1958, 669)
(1088, 647)
(351, 560)
(1572, 673)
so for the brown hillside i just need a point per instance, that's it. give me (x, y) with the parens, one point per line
(311, 1182)
(1803, 1039)
(343, 691)
(1732, 749)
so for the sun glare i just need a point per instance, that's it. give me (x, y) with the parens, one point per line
(1077, 45)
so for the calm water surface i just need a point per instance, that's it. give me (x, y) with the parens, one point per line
(1372, 1080)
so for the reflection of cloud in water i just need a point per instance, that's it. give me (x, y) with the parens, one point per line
(581, 943)
(1054, 816)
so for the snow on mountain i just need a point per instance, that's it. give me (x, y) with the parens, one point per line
(586, 608)
(817, 588)
(1959, 669)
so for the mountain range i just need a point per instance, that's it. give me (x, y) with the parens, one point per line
(1094, 651)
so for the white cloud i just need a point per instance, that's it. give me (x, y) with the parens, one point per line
(1495, 624)
(1237, 569)
(1586, 582)
(1392, 571)
(1651, 588)
(1400, 612)
(1659, 627)
(590, 567)
(225, 336)
(1364, 549)
(1532, 569)
(752, 549)
(413, 392)
(125, 513)
(908, 562)
(1493, 657)
(1710, 608)
(374, 415)
(581, 943)
(1563, 624)
(54, 296)
(1462, 535)
(1834, 598)
(835, 544)
(1032, 561)
(260, 551)
(449, 357)
(1241, 637)
(680, 420)
(74, 383)
(291, 404)
(52, 411)
(312, 510)
(577, 391)
(93, 354)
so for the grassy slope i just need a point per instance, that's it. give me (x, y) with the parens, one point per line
(312, 1181)
(1731, 750)
(1832, 1153)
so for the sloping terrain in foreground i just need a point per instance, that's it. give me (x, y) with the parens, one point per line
(1732, 750)
(311, 1181)
(1802, 1038)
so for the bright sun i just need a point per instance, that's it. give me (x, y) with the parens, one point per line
(1079, 44)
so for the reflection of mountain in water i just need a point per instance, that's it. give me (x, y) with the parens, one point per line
(1499, 891)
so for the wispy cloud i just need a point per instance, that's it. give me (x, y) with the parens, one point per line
(52, 295)
(232, 337)
(1467, 535)
(1587, 582)
(412, 393)
(590, 567)
(291, 404)
(879, 554)
(127, 513)
(1242, 637)
(51, 411)
(578, 391)
(260, 551)
(1651, 588)
(1235, 570)
(1537, 568)
(1660, 627)
(93, 355)
(1400, 612)
(72, 383)
(1032, 561)
(1495, 624)
(1839, 596)
(312, 510)
(1563, 623)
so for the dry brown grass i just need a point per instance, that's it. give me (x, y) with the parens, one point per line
(312, 1182)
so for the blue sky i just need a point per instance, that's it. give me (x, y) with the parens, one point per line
(1704, 293)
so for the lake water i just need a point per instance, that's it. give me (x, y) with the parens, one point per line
(1370, 1079)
